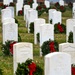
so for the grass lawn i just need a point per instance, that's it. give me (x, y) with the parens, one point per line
(6, 62)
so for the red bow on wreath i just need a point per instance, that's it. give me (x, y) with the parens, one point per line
(32, 68)
(60, 27)
(11, 47)
(73, 70)
(51, 45)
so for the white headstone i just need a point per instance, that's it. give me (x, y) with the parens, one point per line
(73, 14)
(35, 1)
(46, 33)
(73, 4)
(21, 52)
(9, 20)
(18, 7)
(47, 3)
(57, 17)
(37, 24)
(50, 14)
(12, 10)
(27, 16)
(11, 1)
(69, 27)
(61, 2)
(33, 14)
(25, 8)
(6, 13)
(20, 1)
(34, 5)
(10, 32)
(68, 48)
(6, 2)
(57, 63)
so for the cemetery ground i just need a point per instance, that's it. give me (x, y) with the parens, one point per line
(6, 62)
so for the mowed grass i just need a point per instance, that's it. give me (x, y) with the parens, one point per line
(6, 62)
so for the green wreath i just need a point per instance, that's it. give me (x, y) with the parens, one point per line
(57, 29)
(70, 37)
(46, 48)
(62, 8)
(31, 27)
(26, 67)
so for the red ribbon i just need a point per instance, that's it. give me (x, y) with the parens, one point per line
(60, 27)
(11, 47)
(52, 49)
(73, 70)
(20, 12)
(32, 68)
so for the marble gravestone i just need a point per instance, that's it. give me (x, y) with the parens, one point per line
(57, 63)
(61, 2)
(18, 7)
(12, 10)
(46, 33)
(9, 20)
(34, 5)
(68, 48)
(10, 32)
(6, 2)
(69, 27)
(11, 1)
(6, 13)
(47, 3)
(37, 24)
(32, 15)
(50, 14)
(21, 52)
(57, 17)
(73, 4)
(25, 8)
(27, 15)
(20, 1)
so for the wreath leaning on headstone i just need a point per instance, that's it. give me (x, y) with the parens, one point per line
(49, 46)
(59, 28)
(31, 27)
(29, 68)
(7, 48)
(70, 37)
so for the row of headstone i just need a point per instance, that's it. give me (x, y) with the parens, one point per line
(9, 27)
(55, 16)
(56, 63)
(45, 31)
(7, 2)
(30, 15)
